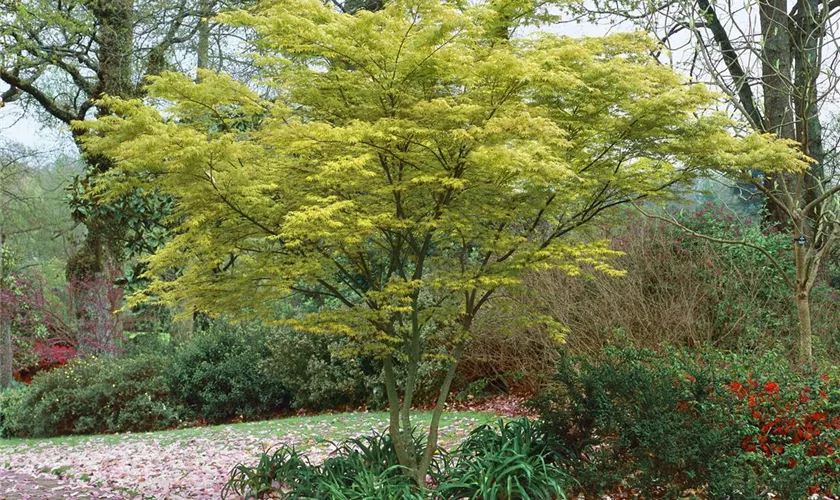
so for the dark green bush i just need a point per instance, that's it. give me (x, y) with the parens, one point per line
(10, 401)
(634, 419)
(316, 373)
(220, 374)
(95, 395)
(730, 426)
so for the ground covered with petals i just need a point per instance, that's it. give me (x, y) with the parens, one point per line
(189, 463)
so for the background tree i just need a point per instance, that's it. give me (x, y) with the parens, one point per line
(13, 173)
(415, 163)
(36, 234)
(59, 57)
(776, 62)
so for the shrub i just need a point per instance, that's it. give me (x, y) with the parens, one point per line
(11, 399)
(96, 395)
(627, 418)
(315, 372)
(507, 354)
(220, 374)
(680, 290)
(789, 426)
(731, 426)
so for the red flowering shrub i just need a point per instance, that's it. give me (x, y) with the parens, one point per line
(50, 355)
(53, 325)
(730, 426)
(791, 430)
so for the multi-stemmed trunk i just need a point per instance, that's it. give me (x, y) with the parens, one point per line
(416, 462)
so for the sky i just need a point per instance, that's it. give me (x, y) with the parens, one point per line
(22, 127)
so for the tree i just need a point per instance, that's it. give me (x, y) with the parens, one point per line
(774, 61)
(13, 171)
(61, 56)
(415, 162)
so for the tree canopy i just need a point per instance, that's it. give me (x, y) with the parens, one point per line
(412, 162)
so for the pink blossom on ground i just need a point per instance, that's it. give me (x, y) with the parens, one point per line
(194, 463)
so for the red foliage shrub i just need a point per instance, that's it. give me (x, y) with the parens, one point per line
(792, 428)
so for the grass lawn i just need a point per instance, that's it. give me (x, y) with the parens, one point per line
(332, 427)
(195, 462)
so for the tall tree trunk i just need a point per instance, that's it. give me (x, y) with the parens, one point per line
(776, 83)
(776, 67)
(103, 262)
(203, 48)
(808, 32)
(6, 355)
(116, 44)
(807, 62)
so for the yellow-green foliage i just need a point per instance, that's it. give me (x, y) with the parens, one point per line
(409, 162)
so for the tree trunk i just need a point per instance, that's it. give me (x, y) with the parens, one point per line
(807, 62)
(803, 309)
(115, 35)
(116, 44)
(6, 353)
(203, 48)
(803, 298)
(776, 83)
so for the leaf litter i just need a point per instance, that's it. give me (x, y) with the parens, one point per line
(190, 463)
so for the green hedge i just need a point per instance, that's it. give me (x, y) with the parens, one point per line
(221, 374)
(93, 395)
(226, 372)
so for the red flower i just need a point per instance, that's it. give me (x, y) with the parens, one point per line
(747, 444)
(738, 389)
(771, 387)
